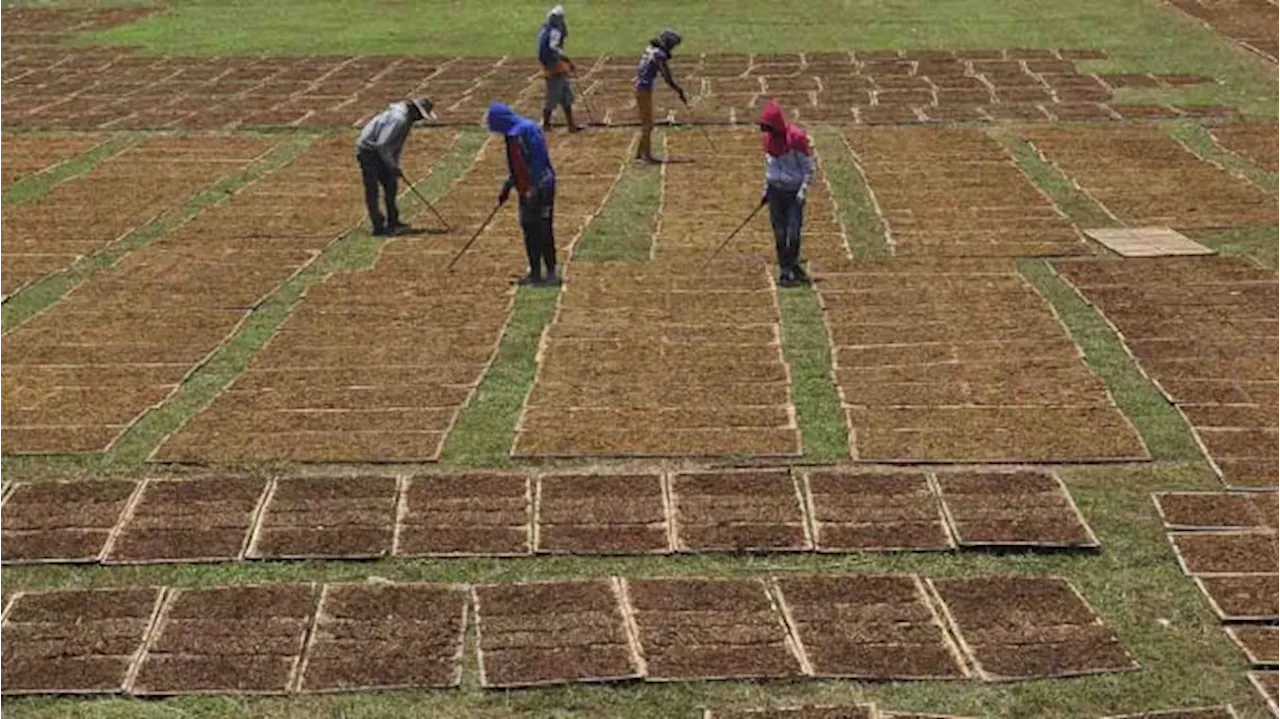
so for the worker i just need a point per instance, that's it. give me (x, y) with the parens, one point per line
(788, 170)
(378, 152)
(652, 63)
(530, 173)
(556, 67)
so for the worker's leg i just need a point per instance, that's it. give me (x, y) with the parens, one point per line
(548, 235)
(795, 226)
(566, 102)
(551, 99)
(387, 176)
(531, 226)
(369, 175)
(779, 204)
(644, 105)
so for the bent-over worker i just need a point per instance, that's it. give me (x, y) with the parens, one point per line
(378, 152)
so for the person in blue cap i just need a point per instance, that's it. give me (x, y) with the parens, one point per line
(530, 174)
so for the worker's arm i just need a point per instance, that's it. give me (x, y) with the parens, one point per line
(764, 192)
(806, 162)
(666, 76)
(518, 178)
(806, 166)
(557, 46)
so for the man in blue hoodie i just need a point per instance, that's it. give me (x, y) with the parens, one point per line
(530, 173)
(378, 151)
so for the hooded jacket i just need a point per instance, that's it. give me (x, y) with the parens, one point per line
(386, 133)
(788, 159)
(654, 60)
(551, 39)
(528, 164)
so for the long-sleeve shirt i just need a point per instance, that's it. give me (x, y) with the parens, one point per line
(788, 159)
(386, 133)
(551, 49)
(652, 63)
(791, 171)
(528, 162)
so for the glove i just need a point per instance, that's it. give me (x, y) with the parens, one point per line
(800, 194)
(506, 193)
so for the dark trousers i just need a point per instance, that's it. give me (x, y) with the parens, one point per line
(786, 214)
(375, 171)
(537, 220)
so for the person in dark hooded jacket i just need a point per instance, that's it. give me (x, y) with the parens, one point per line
(788, 170)
(653, 63)
(531, 175)
(378, 151)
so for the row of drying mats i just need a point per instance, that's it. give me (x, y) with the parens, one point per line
(307, 637)
(226, 518)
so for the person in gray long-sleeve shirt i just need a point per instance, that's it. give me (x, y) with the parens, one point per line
(378, 152)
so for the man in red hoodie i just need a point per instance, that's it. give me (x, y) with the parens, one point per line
(788, 170)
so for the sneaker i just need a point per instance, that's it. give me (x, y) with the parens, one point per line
(528, 280)
(397, 229)
(381, 232)
(799, 275)
(550, 281)
(786, 279)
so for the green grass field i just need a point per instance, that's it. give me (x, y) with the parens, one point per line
(1135, 583)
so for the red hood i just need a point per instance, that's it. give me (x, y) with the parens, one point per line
(782, 137)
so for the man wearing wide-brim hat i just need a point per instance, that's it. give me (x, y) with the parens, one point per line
(378, 151)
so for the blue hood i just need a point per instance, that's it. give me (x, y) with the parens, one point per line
(502, 118)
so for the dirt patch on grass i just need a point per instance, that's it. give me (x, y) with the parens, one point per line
(1023, 627)
(349, 517)
(553, 632)
(75, 642)
(710, 629)
(869, 627)
(386, 637)
(880, 511)
(471, 514)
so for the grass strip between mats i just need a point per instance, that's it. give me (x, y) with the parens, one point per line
(355, 250)
(43, 294)
(865, 232)
(1165, 432)
(36, 185)
(1078, 206)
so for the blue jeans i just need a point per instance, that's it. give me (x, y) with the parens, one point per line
(786, 214)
